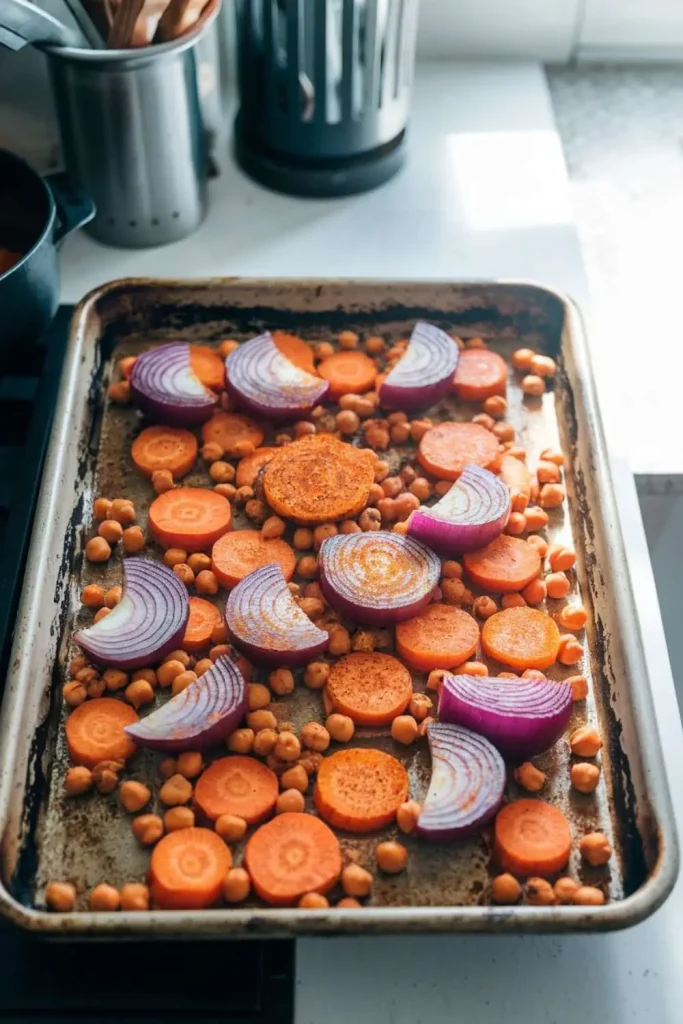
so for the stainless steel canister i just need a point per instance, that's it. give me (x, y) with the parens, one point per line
(135, 135)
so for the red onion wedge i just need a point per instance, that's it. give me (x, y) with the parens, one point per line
(467, 783)
(148, 622)
(263, 381)
(164, 385)
(266, 623)
(521, 717)
(469, 516)
(200, 716)
(377, 578)
(424, 374)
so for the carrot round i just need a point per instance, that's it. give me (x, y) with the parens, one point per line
(208, 366)
(229, 429)
(250, 466)
(532, 838)
(480, 374)
(291, 855)
(441, 636)
(164, 448)
(236, 785)
(319, 479)
(372, 689)
(95, 731)
(203, 619)
(504, 566)
(190, 518)
(296, 350)
(348, 373)
(446, 449)
(360, 790)
(187, 869)
(521, 638)
(237, 554)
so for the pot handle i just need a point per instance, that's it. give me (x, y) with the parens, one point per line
(74, 207)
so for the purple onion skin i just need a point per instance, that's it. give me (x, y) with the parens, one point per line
(144, 655)
(203, 736)
(453, 538)
(275, 659)
(165, 409)
(369, 616)
(489, 798)
(517, 736)
(284, 413)
(443, 352)
(277, 414)
(413, 399)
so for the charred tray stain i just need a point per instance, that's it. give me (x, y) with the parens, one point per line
(88, 840)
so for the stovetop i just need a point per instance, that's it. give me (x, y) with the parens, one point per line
(96, 982)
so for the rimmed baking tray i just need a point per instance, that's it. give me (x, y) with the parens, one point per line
(88, 840)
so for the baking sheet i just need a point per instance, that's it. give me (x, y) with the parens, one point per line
(446, 887)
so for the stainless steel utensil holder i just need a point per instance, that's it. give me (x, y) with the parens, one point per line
(134, 137)
(325, 89)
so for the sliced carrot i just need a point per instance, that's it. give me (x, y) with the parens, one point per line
(237, 554)
(446, 449)
(504, 566)
(187, 869)
(372, 689)
(250, 466)
(164, 448)
(236, 785)
(480, 374)
(319, 479)
(295, 349)
(521, 638)
(291, 855)
(190, 518)
(360, 790)
(441, 636)
(95, 731)
(532, 838)
(204, 617)
(516, 475)
(350, 373)
(230, 429)
(208, 366)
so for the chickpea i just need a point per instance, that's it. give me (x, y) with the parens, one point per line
(418, 429)
(579, 685)
(178, 817)
(162, 481)
(119, 392)
(529, 777)
(206, 582)
(281, 681)
(404, 729)
(505, 889)
(236, 886)
(387, 509)
(552, 495)
(400, 433)
(521, 359)
(561, 558)
(421, 488)
(147, 828)
(258, 696)
(533, 385)
(535, 518)
(313, 901)
(564, 889)
(97, 550)
(175, 791)
(585, 776)
(588, 896)
(472, 668)
(174, 556)
(288, 747)
(348, 526)
(349, 903)
(391, 486)
(570, 651)
(516, 524)
(442, 487)
(212, 452)
(539, 892)
(557, 584)
(340, 727)
(347, 422)
(243, 495)
(308, 567)
(573, 616)
(548, 473)
(230, 827)
(310, 762)
(101, 508)
(348, 339)
(92, 596)
(370, 519)
(535, 592)
(435, 680)
(543, 366)
(340, 642)
(585, 741)
(375, 345)
(134, 796)
(227, 346)
(123, 510)
(190, 764)
(221, 472)
(78, 780)
(519, 502)
(104, 897)
(484, 420)
(241, 741)
(226, 491)
(60, 896)
(303, 539)
(538, 543)
(533, 673)
(77, 663)
(363, 640)
(184, 573)
(133, 540)
(495, 406)
(420, 706)
(167, 672)
(315, 737)
(115, 679)
(391, 857)
(264, 742)
(74, 693)
(295, 778)
(356, 881)
(504, 431)
(219, 651)
(101, 614)
(455, 592)
(134, 896)
(407, 815)
(404, 505)
(261, 719)
(167, 768)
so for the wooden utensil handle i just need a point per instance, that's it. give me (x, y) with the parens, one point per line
(123, 27)
(179, 16)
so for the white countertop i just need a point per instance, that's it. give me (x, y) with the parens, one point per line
(484, 194)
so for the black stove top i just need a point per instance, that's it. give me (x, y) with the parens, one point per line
(96, 982)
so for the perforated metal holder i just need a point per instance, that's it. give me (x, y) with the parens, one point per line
(325, 89)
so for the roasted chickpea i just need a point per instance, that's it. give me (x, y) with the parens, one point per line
(74, 693)
(97, 550)
(315, 737)
(241, 741)
(570, 651)
(340, 727)
(370, 519)
(505, 889)
(104, 897)
(182, 681)
(579, 685)
(407, 815)
(585, 741)
(190, 764)
(162, 481)
(147, 828)
(356, 881)
(262, 719)
(564, 889)
(308, 567)
(101, 508)
(123, 510)
(134, 796)
(530, 777)
(288, 747)
(588, 896)
(435, 680)
(585, 776)
(236, 885)
(101, 614)
(339, 643)
(175, 791)
(178, 817)
(347, 422)
(258, 696)
(175, 556)
(539, 892)
(60, 896)
(595, 849)
(78, 780)
(119, 392)
(495, 406)
(281, 681)
(134, 896)
(92, 596)
(313, 901)
(543, 366)
(533, 385)
(291, 799)
(184, 573)
(264, 742)
(521, 359)
(391, 857)
(230, 827)
(557, 585)
(404, 729)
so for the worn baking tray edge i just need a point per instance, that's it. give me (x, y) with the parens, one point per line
(26, 701)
